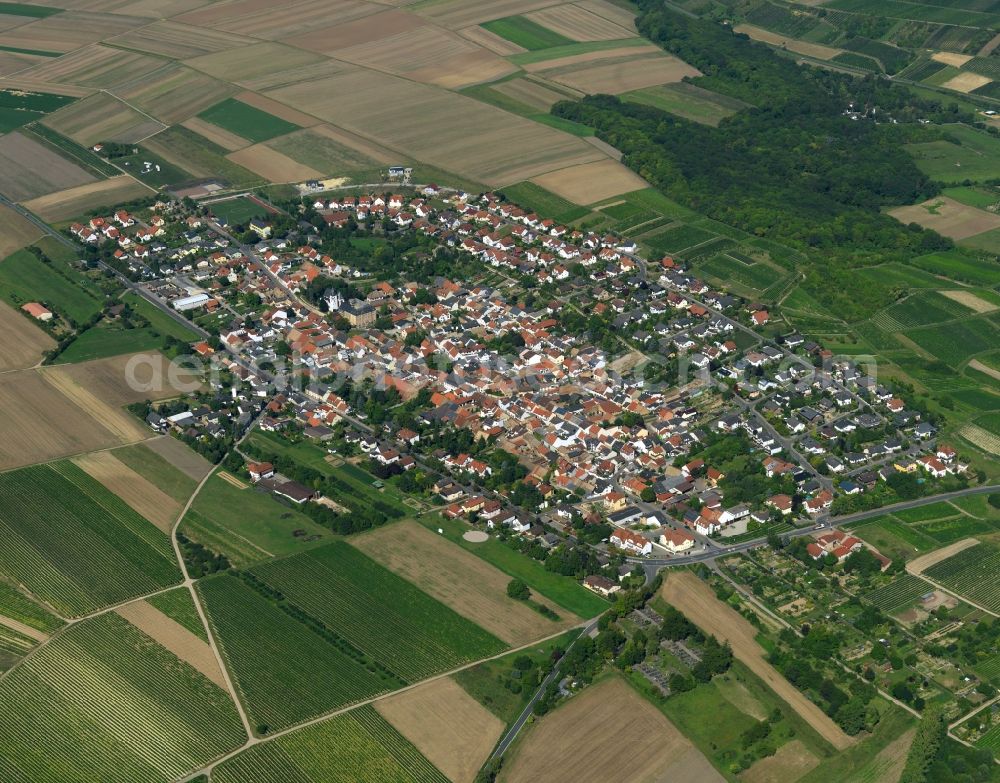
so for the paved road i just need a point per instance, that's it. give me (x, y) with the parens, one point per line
(825, 521)
(526, 713)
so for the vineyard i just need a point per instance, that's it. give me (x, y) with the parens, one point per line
(74, 544)
(971, 573)
(893, 59)
(21, 608)
(359, 747)
(900, 593)
(991, 739)
(381, 614)
(104, 702)
(285, 671)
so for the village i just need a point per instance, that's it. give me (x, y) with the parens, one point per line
(682, 434)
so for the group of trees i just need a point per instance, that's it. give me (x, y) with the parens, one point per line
(792, 167)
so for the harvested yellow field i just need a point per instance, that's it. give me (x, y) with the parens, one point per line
(71, 203)
(968, 299)
(117, 421)
(585, 741)
(531, 92)
(15, 232)
(606, 55)
(793, 45)
(592, 182)
(387, 24)
(102, 117)
(267, 20)
(453, 730)
(272, 165)
(626, 75)
(455, 14)
(68, 31)
(179, 41)
(252, 62)
(967, 82)
(170, 634)
(492, 41)
(28, 170)
(122, 380)
(920, 564)
(579, 24)
(189, 462)
(23, 343)
(695, 599)
(228, 141)
(177, 94)
(615, 13)
(41, 423)
(146, 499)
(951, 58)
(948, 217)
(95, 66)
(459, 579)
(443, 129)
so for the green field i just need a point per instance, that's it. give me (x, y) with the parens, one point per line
(921, 309)
(971, 573)
(106, 340)
(102, 551)
(66, 147)
(954, 342)
(900, 9)
(535, 198)
(390, 620)
(526, 33)
(964, 266)
(23, 278)
(688, 101)
(18, 107)
(899, 593)
(201, 157)
(561, 590)
(157, 470)
(285, 671)
(23, 9)
(247, 121)
(179, 606)
(104, 702)
(17, 606)
(677, 239)
(238, 211)
(153, 170)
(159, 320)
(976, 156)
(246, 525)
(572, 49)
(359, 747)
(973, 196)
(757, 276)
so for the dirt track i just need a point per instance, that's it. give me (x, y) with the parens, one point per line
(696, 600)
(920, 564)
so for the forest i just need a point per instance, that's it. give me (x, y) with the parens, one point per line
(793, 167)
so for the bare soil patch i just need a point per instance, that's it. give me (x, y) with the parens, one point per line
(696, 600)
(948, 217)
(607, 732)
(970, 300)
(24, 630)
(68, 31)
(228, 141)
(592, 182)
(67, 204)
(951, 58)
(246, 64)
(579, 24)
(530, 92)
(454, 731)
(788, 764)
(271, 21)
(23, 343)
(818, 51)
(189, 462)
(459, 579)
(626, 75)
(124, 426)
(122, 380)
(178, 41)
(967, 82)
(455, 14)
(920, 564)
(272, 165)
(145, 498)
(170, 634)
(621, 16)
(15, 231)
(28, 170)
